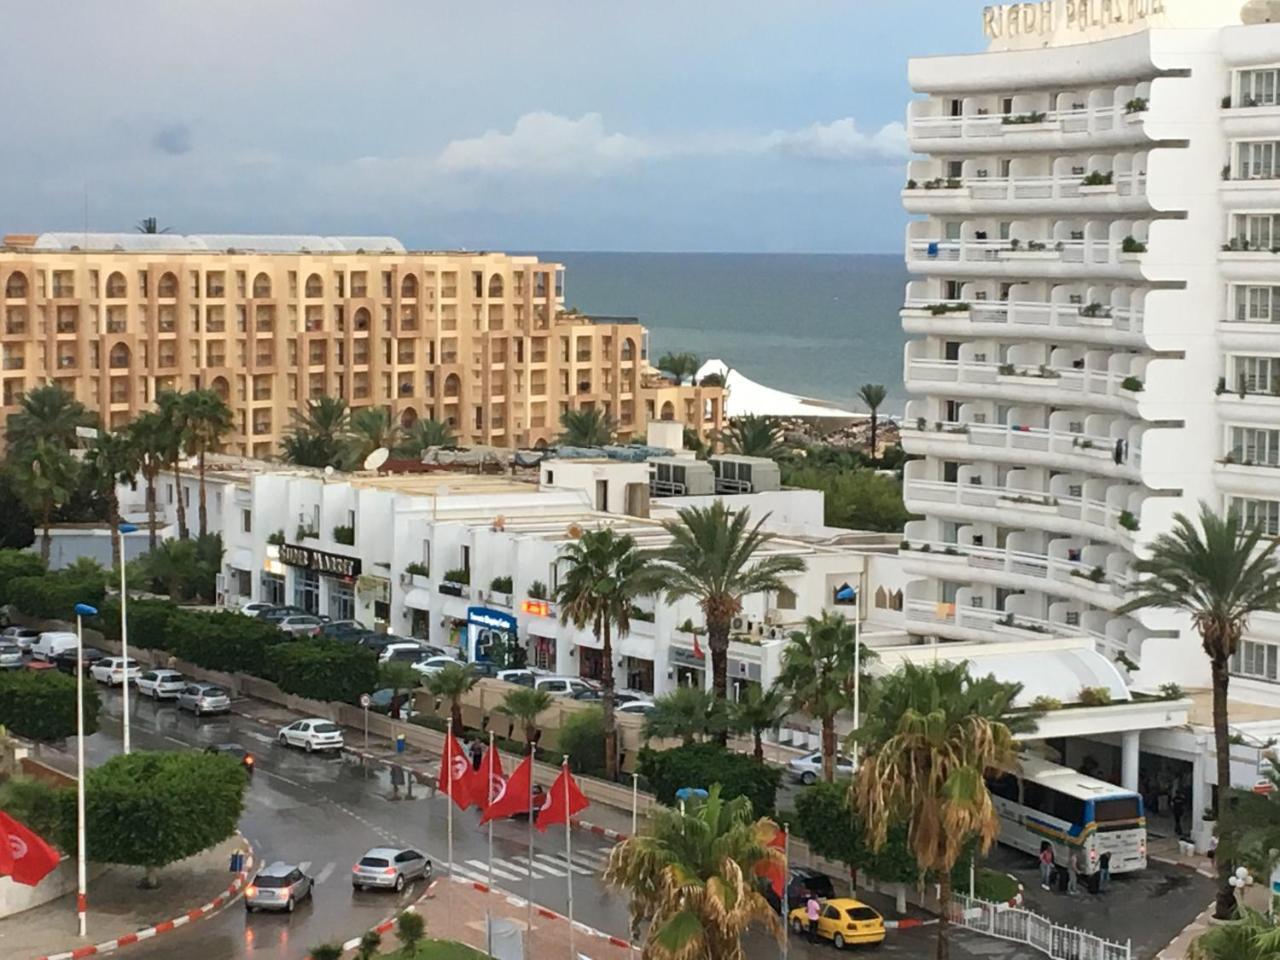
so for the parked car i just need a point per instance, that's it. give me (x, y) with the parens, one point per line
(234, 750)
(115, 671)
(10, 656)
(844, 922)
(808, 769)
(405, 651)
(561, 686)
(251, 608)
(430, 665)
(68, 661)
(523, 678)
(637, 706)
(595, 693)
(279, 612)
(801, 884)
(389, 868)
(24, 637)
(311, 735)
(279, 886)
(51, 643)
(161, 684)
(300, 624)
(338, 629)
(204, 698)
(380, 702)
(377, 642)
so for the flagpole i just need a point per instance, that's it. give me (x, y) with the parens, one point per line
(528, 923)
(786, 883)
(448, 762)
(488, 792)
(568, 853)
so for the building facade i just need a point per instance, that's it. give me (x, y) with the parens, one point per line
(481, 341)
(1094, 339)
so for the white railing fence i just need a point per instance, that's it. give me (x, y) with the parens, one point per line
(1022, 926)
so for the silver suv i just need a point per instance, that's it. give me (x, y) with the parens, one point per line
(202, 698)
(389, 867)
(10, 655)
(280, 886)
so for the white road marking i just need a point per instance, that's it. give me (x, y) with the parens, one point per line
(272, 773)
(304, 866)
(483, 869)
(469, 874)
(553, 871)
(561, 862)
(326, 873)
(260, 737)
(513, 867)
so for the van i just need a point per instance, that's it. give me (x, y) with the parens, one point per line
(52, 643)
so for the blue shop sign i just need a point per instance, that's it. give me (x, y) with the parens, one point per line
(491, 619)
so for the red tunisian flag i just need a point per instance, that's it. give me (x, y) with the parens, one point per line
(457, 779)
(513, 795)
(564, 799)
(773, 872)
(24, 856)
(491, 780)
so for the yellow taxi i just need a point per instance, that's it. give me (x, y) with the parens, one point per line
(843, 921)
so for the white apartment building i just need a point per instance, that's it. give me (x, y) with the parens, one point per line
(1094, 318)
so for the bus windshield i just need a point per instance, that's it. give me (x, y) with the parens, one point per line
(1117, 808)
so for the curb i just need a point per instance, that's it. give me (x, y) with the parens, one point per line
(1207, 874)
(544, 912)
(908, 924)
(390, 922)
(599, 831)
(146, 933)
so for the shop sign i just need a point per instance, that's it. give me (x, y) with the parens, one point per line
(491, 619)
(536, 608)
(330, 564)
(685, 658)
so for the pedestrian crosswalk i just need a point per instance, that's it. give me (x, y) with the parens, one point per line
(519, 867)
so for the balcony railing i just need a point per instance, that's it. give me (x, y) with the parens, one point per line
(1082, 509)
(1066, 443)
(1101, 383)
(1095, 120)
(1017, 563)
(1009, 251)
(990, 621)
(1034, 313)
(1028, 188)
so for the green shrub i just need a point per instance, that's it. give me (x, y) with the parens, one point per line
(417, 569)
(824, 820)
(344, 534)
(994, 886)
(41, 705)
(458, 575)
(1044, 704)
(1094, 696)
(53, 596)
(538, 590)
(500, 584)
(15, 564)
(701, 765)
(582, 738)
(224, 641)
(322, 669)
(150, 621)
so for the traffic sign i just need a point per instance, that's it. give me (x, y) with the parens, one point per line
(365, 700)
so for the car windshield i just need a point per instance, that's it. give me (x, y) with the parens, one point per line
(374, 862)
(213, 692)
(325, 728)
(272, 881)
(9, 648)
(862, 913)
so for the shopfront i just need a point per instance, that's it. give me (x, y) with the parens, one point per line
(638, 674)
(272, 588)
(342, 598)
(309, 565)
(542, 649)
(591, 663)
(306, 590)
(690, 670)
(491, 637)
(542, 652)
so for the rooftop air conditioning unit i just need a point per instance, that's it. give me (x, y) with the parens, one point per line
(740, 625)
(776, 633)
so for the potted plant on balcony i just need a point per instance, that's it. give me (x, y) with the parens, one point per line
(415, 574)
(456, 582)
(537, 590)
(500, 590)
(345, 535)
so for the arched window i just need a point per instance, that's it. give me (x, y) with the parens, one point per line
(495, 285)
(668, 411)
(221, 388)
(628, 350)
(116, 287)
(15, 287)
(409, 287)
(452, 385)
(786, 599)
(119, 356)
(261, 286)
(362, 319)
(168, 286)
(882, 598)
(315, 286)
(408, 417)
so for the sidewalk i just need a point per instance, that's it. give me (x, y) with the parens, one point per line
(117, 907)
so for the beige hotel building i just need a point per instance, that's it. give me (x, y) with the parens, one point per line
(481, 341)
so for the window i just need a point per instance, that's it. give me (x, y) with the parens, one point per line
(1256, 375)
(1264, 512)
(246, 521)
(1255, 660)
(1257, 160)
(1256, 229)
(1253, 445)
(1258, 87)
(1257, 304)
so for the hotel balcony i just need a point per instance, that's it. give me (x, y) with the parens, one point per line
(1110, 317)
(962, 622)
(1035, 248)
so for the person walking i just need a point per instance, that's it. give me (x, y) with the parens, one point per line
(1178, 805)
(812, 909)
(1073, 873)
(477, 753)
(1046, 865)
(1104, 872)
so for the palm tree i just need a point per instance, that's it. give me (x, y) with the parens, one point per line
(758, 710)
(148, 436)
(818, 675)
(424, 434)
(113, 459)
(589, 427)
(693, 878)
(399, 676)
(753, 436)
(318, 430)
(872, 394)
(173, 417)
(523, 705)
(712, 557)
(207, 419)
(1249, 834)
(932, 735)
(44, 474)
(1254, 936)
(150, 225)
(369, 429)
(1219, 575)
(50, 413)
(602, 577)
(689, 713)
(452, 682)
(681, 366)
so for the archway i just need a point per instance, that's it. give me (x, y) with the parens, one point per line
(315, 286)
(167, 288)
(261, 286)
(15, 287)
(117, 288)
(409, 287)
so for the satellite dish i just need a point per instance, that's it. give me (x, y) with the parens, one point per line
(376, 459)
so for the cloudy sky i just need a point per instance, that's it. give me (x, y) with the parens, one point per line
(756, 125)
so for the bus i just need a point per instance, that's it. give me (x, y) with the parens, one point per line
(1048, 803)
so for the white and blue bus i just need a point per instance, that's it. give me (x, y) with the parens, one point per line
(1048, 803)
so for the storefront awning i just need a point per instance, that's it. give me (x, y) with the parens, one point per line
(241, 558)
(418, 598)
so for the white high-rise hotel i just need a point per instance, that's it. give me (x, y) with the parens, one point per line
(1093, 317)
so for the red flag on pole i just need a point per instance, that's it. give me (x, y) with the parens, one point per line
(24, 856)
(697, 650)
(775, 873)
(456, 776)
(513, 795)
(491, 771)
(564, 799)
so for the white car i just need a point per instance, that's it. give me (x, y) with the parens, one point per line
(808, 769)
(407, 650)
(311, 735)
(637, 706)
(115, 671)
(24, 637)
(251, 608)
(435, 664)
(301, 625)
(561, 686)
(161, 684)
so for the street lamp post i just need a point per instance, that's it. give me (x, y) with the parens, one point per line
(125, 528)
(82, 610)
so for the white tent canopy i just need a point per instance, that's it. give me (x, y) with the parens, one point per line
(745, 397)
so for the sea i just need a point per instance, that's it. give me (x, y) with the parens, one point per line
(820, 325)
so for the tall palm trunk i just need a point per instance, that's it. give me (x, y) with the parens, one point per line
(1225, 901)
(113, 518)
(455, 711)
(605, 635)
(718, 644)
(150, 476)
(942, 950)
(829, 748)
(204, 510)
(46, 541)
(758, 752)
(874, 423)
(177, 496)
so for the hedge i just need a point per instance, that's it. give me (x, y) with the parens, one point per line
(701, 765)
(581, 736)
(321, 669)
(41, 705)
(53, 596)
(230, 642)
(15, 564)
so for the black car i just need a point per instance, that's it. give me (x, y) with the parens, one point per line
(66, 661)
(234, 750)
(803, 882)
(342, 629)
(593, 694)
